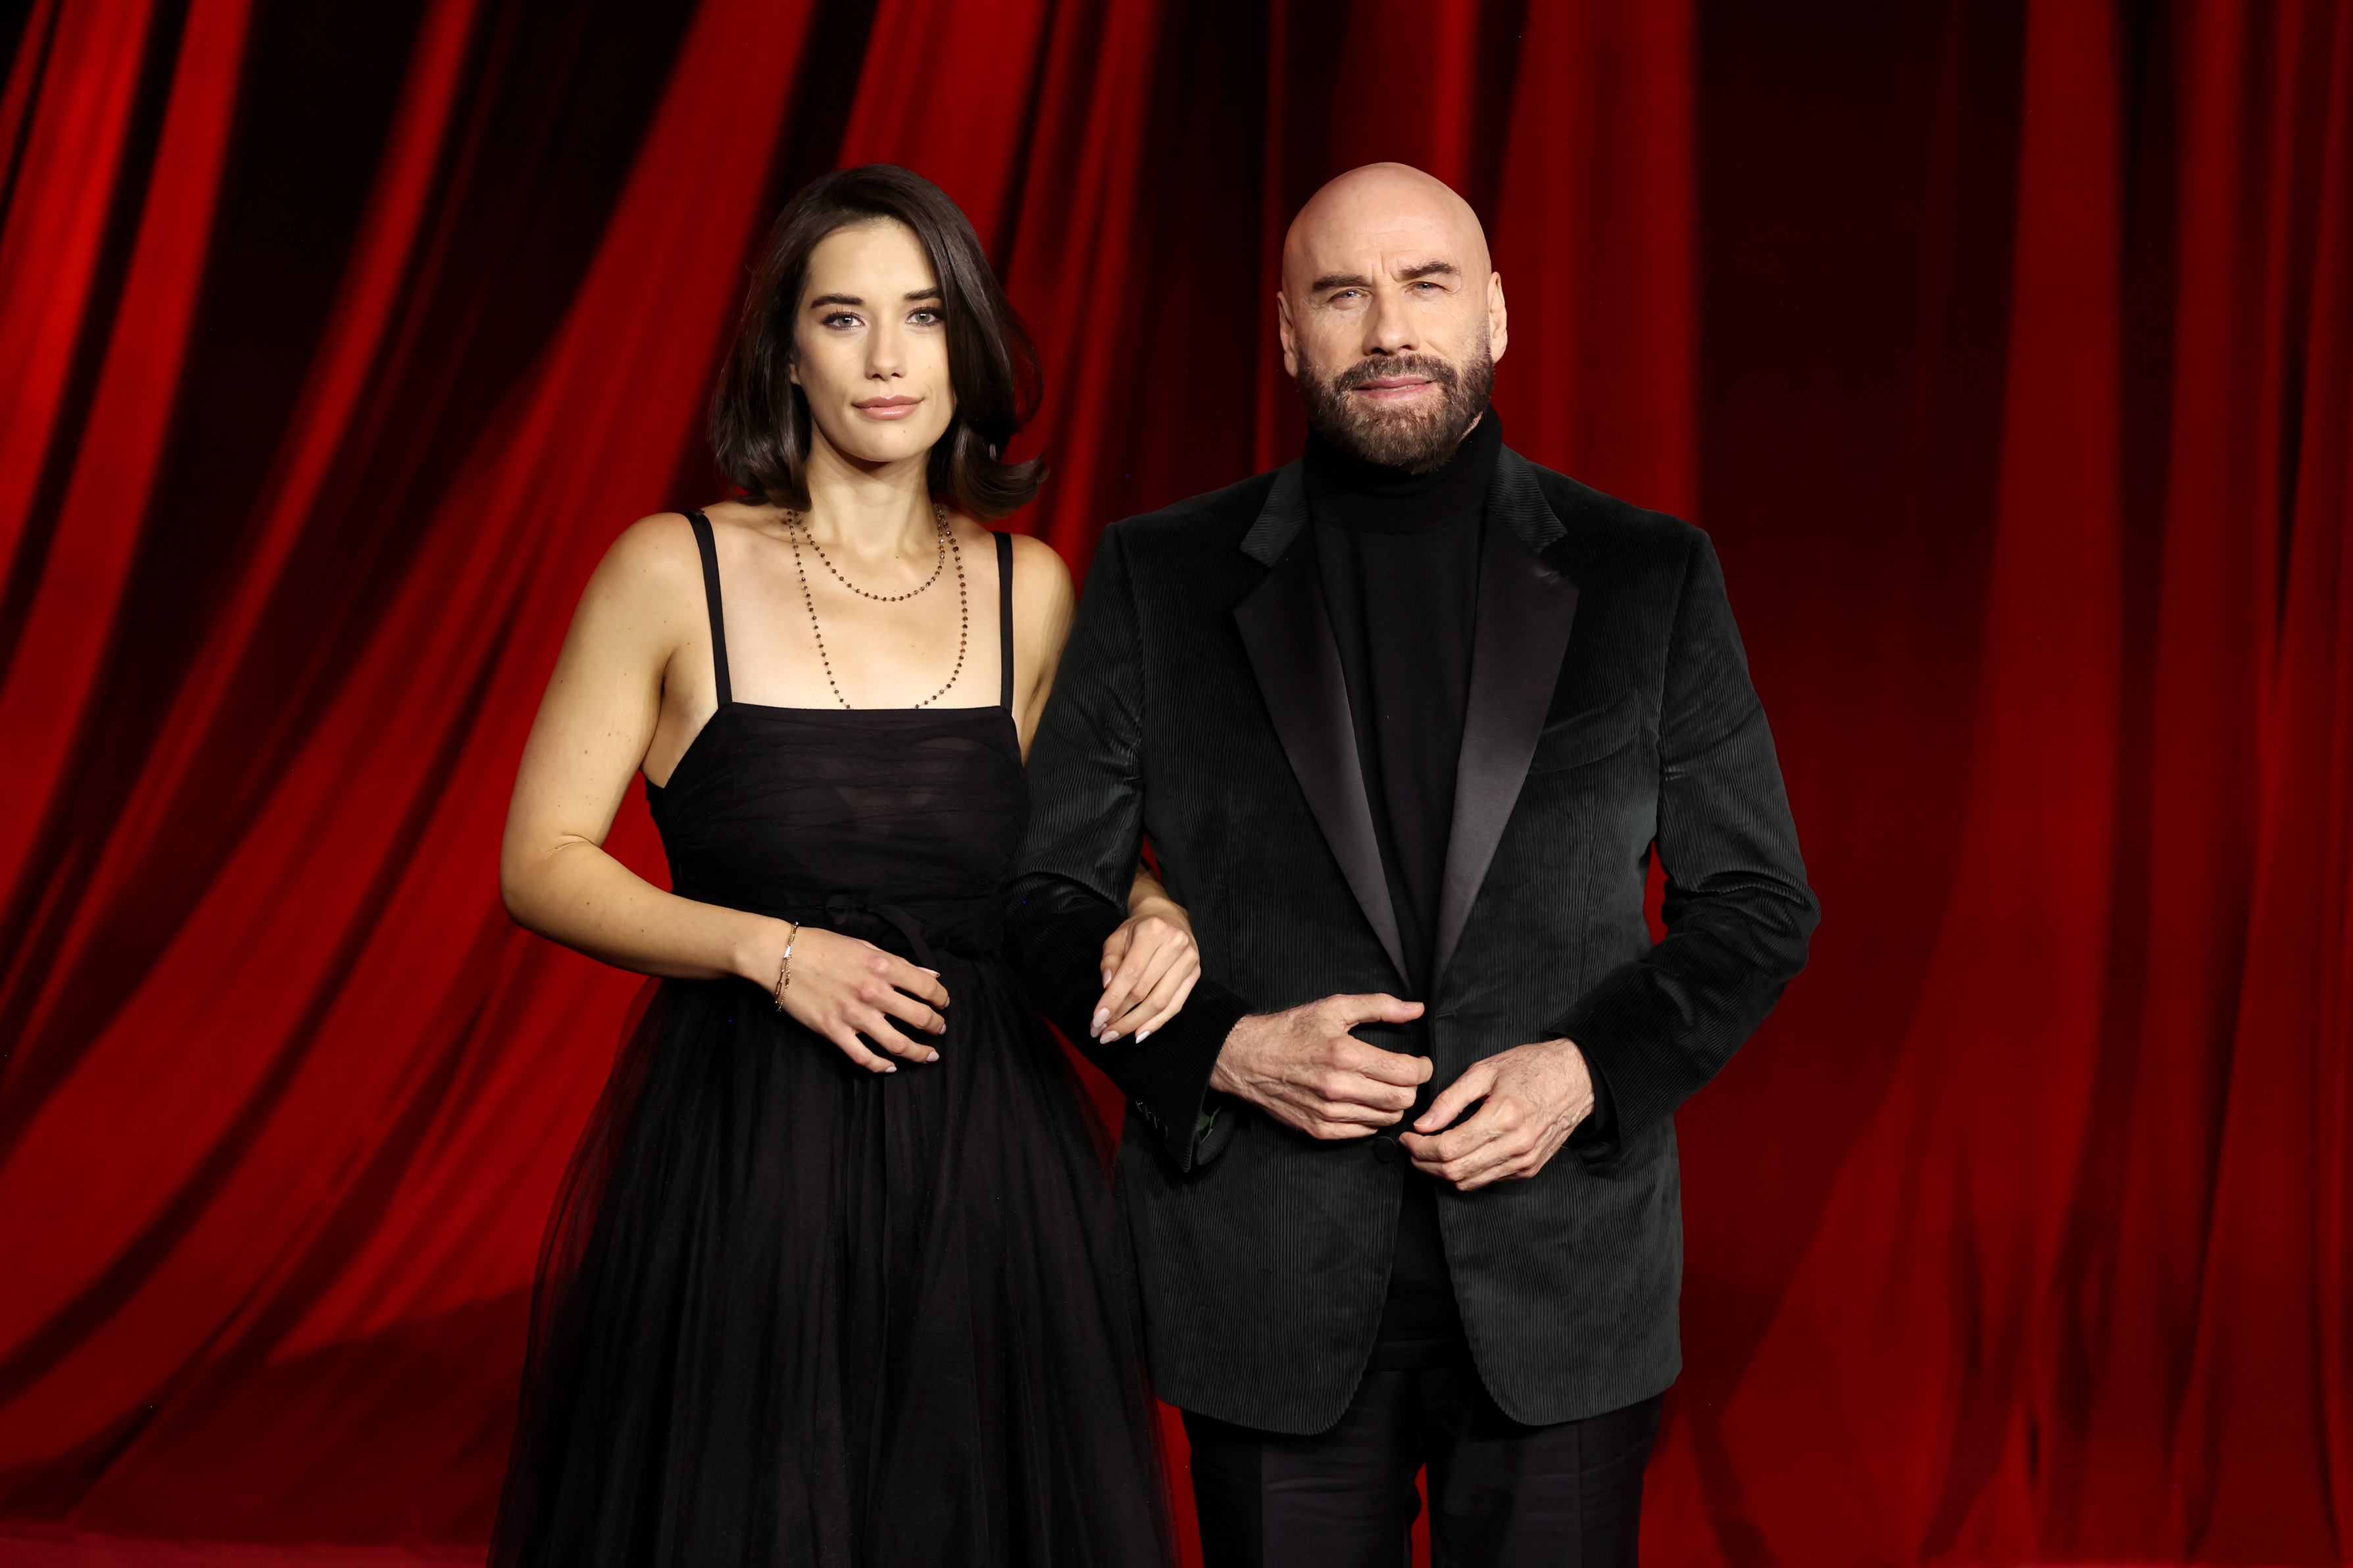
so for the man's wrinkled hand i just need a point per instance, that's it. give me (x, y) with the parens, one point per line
(1535, 1095)
(1303, 1068)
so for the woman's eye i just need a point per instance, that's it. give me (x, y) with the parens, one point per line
(840, 319)
(925, 317)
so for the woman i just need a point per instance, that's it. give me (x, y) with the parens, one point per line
(836, 1276)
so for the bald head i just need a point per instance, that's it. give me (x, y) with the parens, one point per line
(1385, 209)
(1391, 315)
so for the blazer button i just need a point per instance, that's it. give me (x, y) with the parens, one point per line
(1386, 1150)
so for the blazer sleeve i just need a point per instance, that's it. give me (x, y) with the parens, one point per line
(1078, 857)
(1738, 912)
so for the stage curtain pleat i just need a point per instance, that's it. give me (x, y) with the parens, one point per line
(2005, 349)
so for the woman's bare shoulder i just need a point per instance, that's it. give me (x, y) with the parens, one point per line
(651, 574)
(1041, 581)
(659, 546)
(726, 515)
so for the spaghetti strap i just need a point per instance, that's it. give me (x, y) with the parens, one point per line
(708, 547)
(1005, 621)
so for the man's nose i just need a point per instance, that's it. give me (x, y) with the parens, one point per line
(1387, 330)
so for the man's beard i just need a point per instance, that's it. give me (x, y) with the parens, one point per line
(1414, 440)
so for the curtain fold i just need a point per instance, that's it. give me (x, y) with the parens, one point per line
(2005, 349)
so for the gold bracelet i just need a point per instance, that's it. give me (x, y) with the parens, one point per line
(784, 965)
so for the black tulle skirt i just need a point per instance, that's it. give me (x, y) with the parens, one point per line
(791, 1311)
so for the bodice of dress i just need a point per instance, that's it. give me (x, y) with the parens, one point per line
(835, 816)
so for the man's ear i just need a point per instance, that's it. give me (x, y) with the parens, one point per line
(1284, 330)
(1499, 326)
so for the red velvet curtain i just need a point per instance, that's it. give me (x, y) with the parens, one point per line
(2005, 346)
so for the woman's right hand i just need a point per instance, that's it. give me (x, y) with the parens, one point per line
(843, 988)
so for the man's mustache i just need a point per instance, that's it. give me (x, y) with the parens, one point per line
(1373, 370)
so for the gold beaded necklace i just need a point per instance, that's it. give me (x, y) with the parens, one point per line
(794, 525)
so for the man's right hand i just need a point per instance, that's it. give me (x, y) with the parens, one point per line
(1303, 1068)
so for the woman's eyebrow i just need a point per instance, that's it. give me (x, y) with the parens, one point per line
(911, 295)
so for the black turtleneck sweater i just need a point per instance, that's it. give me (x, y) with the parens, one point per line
(1398, 554)
(1400, 558)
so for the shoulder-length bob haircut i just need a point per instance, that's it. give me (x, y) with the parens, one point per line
(760, 420)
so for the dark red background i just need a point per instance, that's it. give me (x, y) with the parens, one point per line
(2005, 347)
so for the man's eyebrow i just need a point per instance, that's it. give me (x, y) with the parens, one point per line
(1405, 275)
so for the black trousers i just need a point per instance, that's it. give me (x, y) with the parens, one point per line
(1500, 1495)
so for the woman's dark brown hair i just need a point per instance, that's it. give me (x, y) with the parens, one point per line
(760, 420)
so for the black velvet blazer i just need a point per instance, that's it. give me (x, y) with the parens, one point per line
(1200, 700)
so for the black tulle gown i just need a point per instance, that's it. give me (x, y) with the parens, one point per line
(792, 1311)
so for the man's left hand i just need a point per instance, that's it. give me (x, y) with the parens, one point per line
(1535, 1096)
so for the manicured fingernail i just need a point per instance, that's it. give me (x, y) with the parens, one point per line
(933, 1057)
(1109, 1036)
(1106, 977)
(1103, 1017)
(888, 1067)
(1142, 1035)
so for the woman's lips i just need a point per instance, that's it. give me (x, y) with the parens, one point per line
(888, 408)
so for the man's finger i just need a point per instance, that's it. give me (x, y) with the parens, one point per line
(1378, 1008)
(1357, 1109)
(1314, 1123)
(1511, 1168)
(1345, 1085)
(1477, 1082)
(1391, 1067)
(1489, 1124)
(1502, 1159)
(1465, 1169)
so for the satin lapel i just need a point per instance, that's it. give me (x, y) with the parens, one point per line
(1287, 632)
(1526, 612)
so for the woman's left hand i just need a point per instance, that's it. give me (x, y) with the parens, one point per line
(1149, 965)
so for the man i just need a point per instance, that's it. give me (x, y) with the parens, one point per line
(1403, 721)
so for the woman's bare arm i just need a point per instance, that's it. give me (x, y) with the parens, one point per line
(1044, 605)
(593, 728)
